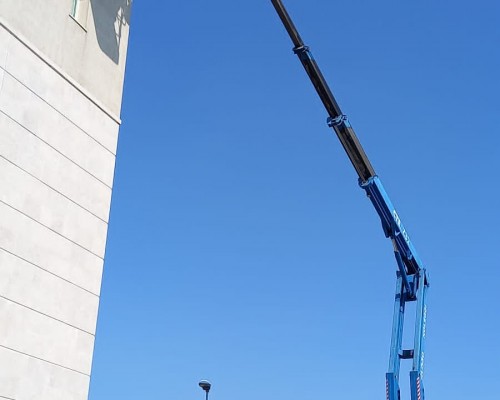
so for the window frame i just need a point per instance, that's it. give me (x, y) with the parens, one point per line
(79, 12)
(74, 8)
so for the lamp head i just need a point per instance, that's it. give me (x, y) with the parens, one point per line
(205, 385)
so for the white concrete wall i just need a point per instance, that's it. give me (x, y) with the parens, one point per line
(60, 96)
(92, 53)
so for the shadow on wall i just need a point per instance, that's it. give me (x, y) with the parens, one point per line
(110, 16)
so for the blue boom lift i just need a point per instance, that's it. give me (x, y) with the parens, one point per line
(412, 279)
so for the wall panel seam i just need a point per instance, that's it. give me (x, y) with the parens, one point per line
(46, 361)
(55, 190)
(47, 271)
(62, 74)
(2, 77)
(52, 230)
(47, 315)
(59, 112)
(53, 148)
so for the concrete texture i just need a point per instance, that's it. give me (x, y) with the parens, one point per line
(45, 338)
(94, 56)
(38, 159)
(49, 208)
(56, 130)
(60, 96)
(27, 284)
(27, 239)
(27, 378)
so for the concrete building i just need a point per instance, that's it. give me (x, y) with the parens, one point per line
(62, 66)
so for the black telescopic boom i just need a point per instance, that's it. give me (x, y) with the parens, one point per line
(336, 120)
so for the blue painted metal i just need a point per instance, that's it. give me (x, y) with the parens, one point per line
(412, 280)
(418, 283)
(392, 376)
(391, 223)
(303, 53)
(416, 386)
(417, 373)
(412, 285)
(338, 121)
(402, 270)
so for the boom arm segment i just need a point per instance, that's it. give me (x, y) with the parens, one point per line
(412, 278)
(336, 119)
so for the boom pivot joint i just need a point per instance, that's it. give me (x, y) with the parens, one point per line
(412, 280)
(338, 121)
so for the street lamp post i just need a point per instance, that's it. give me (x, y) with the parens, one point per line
(205, 385)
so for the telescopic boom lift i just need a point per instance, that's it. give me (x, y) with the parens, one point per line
(412, 280)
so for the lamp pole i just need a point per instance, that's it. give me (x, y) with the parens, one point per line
(205, 385)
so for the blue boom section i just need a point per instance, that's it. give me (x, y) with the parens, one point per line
(392, 225)
(412, 285)
(412, 282)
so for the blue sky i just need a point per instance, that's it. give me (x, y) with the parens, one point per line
(241, 249)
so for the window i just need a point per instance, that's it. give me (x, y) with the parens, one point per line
(79, 11)
(74, 6)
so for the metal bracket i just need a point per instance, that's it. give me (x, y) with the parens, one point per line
(300, 49)
(337, 121)
(406, 354)
(303, 52)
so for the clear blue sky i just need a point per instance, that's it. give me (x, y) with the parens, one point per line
(241, 249)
